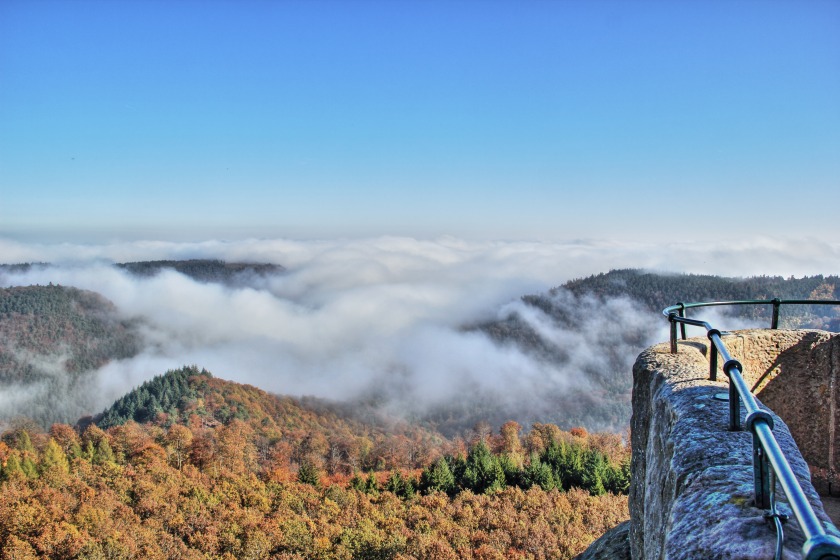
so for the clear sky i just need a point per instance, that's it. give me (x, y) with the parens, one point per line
(481, 119)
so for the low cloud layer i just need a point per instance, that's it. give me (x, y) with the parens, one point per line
(351, 316)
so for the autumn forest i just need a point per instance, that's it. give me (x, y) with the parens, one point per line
(217, 469)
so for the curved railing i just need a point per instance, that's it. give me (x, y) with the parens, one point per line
(769, 462)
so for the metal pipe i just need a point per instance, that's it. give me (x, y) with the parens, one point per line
(674, 308)
(750, 405)
(713, 362)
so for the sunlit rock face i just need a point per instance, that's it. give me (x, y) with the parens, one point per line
(795, 373)
(692, 489)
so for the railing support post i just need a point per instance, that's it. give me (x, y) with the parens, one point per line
(682, 314)
(734, 409)
(734, 396)
(671, 318)
(762, 472)
(713, 355)
(763, 475)
(774, 323)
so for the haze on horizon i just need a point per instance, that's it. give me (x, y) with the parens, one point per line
(551, 121)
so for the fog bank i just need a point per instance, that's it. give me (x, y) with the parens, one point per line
(385, 316)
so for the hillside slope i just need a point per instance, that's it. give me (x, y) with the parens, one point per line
(591, 329)
(324, 434)
(51, 340)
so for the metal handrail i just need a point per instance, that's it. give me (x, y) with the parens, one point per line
(769, 462)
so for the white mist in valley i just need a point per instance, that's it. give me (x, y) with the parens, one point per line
(387, 321)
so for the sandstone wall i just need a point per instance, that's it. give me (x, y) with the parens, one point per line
(795, 373)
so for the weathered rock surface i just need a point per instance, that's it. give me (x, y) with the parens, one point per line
(613, 545)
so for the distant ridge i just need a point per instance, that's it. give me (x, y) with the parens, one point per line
(657, 290)
(200, 270)
(203, 270)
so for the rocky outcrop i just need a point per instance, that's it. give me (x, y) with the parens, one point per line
(613, 545)
(692, 488)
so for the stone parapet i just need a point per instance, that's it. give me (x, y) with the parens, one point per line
(691, 494)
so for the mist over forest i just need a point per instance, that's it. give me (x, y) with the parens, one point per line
(448, 333)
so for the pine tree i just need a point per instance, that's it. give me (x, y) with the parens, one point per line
(594, 472)
(482, 474)
(24, 444)
(617, 479)
(512, 466)
(90, 451)
(371, 485)
(438, 478)
(399, 485)
(27, 465)
(357, 482)
(308, 474)
(539, 474)
(569, 472)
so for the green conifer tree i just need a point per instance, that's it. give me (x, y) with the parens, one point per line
(483, 473)
(27, 465)
(539, 474)
(308, 474)
(438, 478)
(510, 465)
(371, 485)
(25, 443)
(357, 482)
(90, 452)
(400, 485)
(594, 472)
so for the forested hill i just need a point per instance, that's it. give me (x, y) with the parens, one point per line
(200, 270)
(655, 291)
(204, 270)
(658, 290)
(332, 438)
(80, 326)
(50, 338)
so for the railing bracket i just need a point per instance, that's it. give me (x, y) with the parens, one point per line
(753, 417)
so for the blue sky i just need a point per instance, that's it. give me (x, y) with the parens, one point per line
(491, 120)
